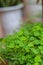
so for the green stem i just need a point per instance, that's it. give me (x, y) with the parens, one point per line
(3, 60)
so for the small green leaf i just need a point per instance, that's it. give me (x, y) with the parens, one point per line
(37, 58)
(36, 64)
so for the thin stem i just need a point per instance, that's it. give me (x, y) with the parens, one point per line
(3, 60)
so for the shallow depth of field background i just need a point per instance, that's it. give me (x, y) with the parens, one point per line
(32, 12)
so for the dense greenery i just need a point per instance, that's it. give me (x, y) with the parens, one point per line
(25, 47)
(6, 3)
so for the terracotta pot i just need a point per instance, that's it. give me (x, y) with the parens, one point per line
(31, 9)
(1, 29)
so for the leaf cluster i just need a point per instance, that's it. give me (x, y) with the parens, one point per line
(25, 47)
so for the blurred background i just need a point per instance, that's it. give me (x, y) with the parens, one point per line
(31, 12)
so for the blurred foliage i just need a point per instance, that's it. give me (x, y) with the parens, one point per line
(25, 47)
(7, 3)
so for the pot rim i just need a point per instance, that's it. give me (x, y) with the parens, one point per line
(12, 8)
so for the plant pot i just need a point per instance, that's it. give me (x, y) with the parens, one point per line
(32, 9)
(1, 31)
(11, 18)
